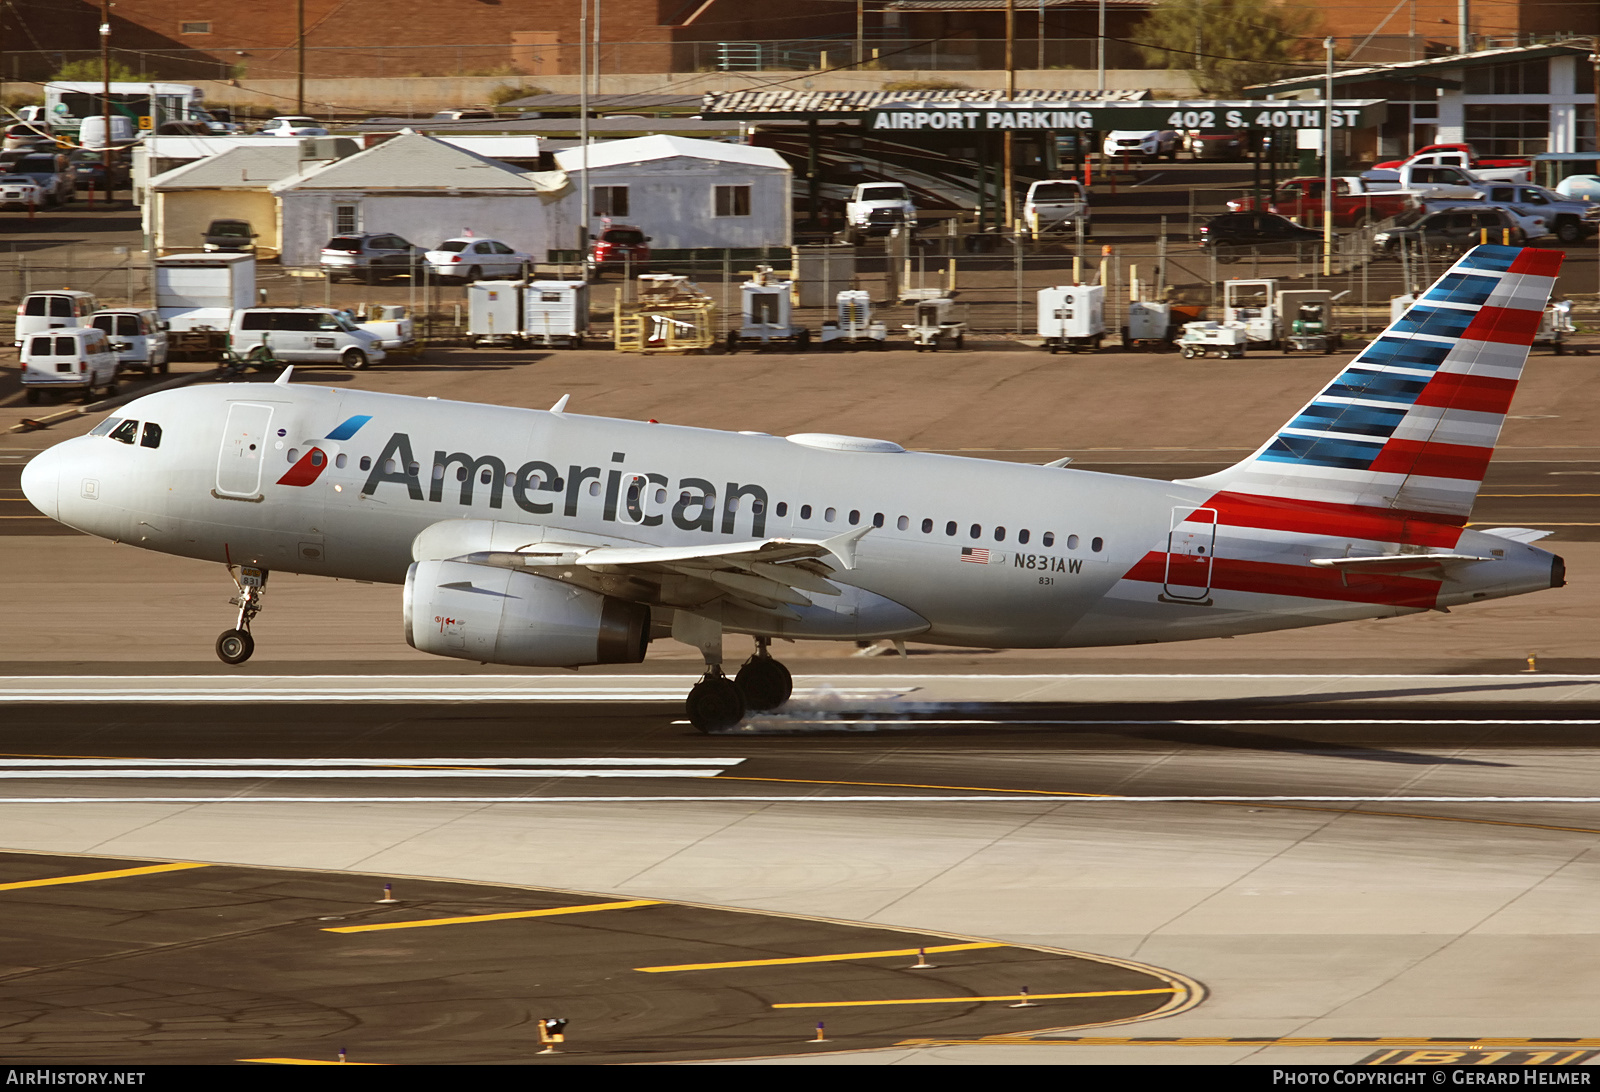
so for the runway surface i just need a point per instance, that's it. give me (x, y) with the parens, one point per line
(1343, 867)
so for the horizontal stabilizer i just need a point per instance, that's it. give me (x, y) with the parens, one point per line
(1518, 534)
(1392, 564)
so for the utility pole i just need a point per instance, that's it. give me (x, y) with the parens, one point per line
(1327, 163)
(1100, 49)
(300, 56)
(583, 134)
(1011, 94)
(861, 31)
(105, 93)
(1464, 31)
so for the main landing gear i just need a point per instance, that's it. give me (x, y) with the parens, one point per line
(234, 646)
(717, 702)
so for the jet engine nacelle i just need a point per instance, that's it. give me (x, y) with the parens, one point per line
(502, 616)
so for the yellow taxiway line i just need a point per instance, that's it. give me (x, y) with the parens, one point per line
(968, 1000)
(473, 919)
(91, 877)
(836, 958)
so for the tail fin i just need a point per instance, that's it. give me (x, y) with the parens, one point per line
(1411, 423)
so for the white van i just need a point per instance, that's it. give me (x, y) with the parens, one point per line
(75, 358)
(138, 337)
(53, 310)
(305, 335)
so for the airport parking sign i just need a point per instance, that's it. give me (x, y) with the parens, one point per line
(1212, 114)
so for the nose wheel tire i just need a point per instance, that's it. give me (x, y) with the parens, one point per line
(235, 646)
(765, 683)
(715, 703)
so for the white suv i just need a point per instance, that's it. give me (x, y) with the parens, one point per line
(1142, 143)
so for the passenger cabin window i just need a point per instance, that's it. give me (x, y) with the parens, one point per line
(1050, 539)
(152, 435)
(126, 433)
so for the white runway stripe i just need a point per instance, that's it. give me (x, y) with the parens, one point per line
(333, 774)
(390, 762)
(1009, 798)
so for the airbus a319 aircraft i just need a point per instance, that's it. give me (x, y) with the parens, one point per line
(544, 538)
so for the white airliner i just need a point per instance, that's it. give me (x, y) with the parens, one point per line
(545, 538)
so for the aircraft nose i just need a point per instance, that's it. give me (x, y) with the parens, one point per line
(41, 479)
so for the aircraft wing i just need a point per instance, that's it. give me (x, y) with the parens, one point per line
(768, 575)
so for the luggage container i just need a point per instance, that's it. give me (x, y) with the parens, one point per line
(555, 313)
(1072, 317)
(494, 312)
(1150, 325)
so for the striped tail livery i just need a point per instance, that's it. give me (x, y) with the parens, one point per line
(1358, 506)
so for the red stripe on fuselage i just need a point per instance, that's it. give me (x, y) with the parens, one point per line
(1299, 581)
(1433, 460)
(1345, 521)
(1478, 393)
(1508, 325)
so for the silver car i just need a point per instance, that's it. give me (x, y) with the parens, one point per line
(369, 256)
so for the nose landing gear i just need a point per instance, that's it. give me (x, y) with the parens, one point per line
(234, 646)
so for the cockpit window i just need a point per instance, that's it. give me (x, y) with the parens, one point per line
(127, 432)
(106, 426)
(152, 435)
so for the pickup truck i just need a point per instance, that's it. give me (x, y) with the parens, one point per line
(877, 208)
(1474, 161)
(1355, 202)
(1460, 155)
(1568, 220)
(1425, 176)
(1055, 205)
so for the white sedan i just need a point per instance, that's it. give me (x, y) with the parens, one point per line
(292, 125)
(473, 259)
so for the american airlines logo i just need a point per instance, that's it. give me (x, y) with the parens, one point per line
(626, 493)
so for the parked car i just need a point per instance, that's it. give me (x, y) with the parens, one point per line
(138, 337)
(27, 136)
(473, 259)
(1234, 235)
(71, 359)
(52, 171)
(89, 171)
(1142, 143)
(1223, 146)
(292, 125)
(464, 114)
(621, 246)
(19, 191)
(1448, 231)
(370, 255)
(229, 235)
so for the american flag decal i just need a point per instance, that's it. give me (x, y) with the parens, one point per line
(974, 554)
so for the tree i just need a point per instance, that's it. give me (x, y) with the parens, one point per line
(1229, 44)
(89, 69)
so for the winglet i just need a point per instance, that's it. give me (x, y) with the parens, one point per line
(561, 404)
(283, 379)
(843, 546)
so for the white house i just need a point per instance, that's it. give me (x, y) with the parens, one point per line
(683, 192)
(425, 190)
(233, 185)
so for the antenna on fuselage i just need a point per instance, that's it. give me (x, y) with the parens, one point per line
(561, 404)
(283, 380)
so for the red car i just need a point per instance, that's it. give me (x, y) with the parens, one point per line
(621, 246)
